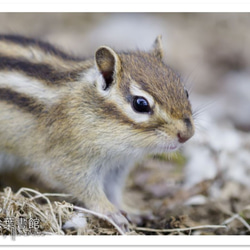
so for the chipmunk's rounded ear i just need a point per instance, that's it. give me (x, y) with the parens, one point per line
(109, 65)
(157, 47)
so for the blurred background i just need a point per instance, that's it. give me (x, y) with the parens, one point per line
(212, 53)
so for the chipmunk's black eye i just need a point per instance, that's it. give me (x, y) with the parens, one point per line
(140, 104)
(187, 94)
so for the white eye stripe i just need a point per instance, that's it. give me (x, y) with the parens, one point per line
(114, 95)
(135, 90)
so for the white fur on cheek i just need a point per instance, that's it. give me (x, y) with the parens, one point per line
(94, 76)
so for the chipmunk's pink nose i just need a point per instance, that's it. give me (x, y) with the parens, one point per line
(187, 133)
(182, 138)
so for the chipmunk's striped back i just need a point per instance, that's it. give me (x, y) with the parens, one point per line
(32, 73)
(24, 47)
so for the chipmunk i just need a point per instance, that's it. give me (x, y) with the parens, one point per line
(81, 124)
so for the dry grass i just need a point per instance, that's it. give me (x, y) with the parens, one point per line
(29, 212)
(21, 214)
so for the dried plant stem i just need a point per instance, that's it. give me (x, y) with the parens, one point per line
(234, 217)
(238, 217)
(178, 229)
(39, 195)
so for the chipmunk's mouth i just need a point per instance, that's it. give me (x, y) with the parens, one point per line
(169, 145)
(172, 148)
(167, 148)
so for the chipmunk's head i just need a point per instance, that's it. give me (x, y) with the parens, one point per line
(146, 97)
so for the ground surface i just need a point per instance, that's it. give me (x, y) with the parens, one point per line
(205, 189)
(155, 185)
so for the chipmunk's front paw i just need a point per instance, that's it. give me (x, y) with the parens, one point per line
(120, 221)
(140, 217)
(136, 216)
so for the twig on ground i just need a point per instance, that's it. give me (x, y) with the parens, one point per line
(179, 229)
(238, 217)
